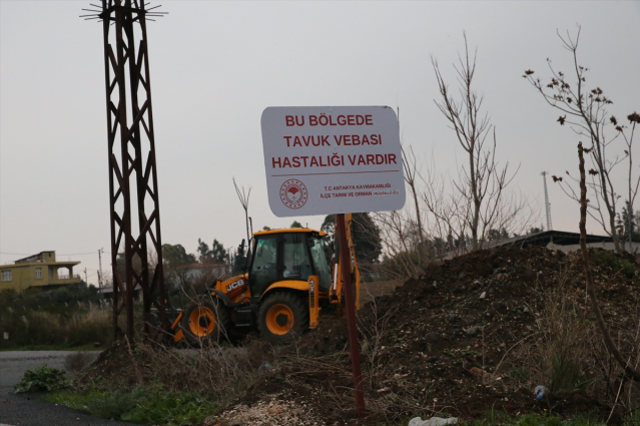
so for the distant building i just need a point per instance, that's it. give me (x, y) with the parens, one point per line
(39, 270)
(195, 273)
(566, 241)
(184, 275)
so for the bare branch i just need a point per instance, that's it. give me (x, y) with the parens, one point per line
(243, 196)
(586, 113)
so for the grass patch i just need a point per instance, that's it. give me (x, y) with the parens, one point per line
(531, 419)
(519, 373)
(62, 347)
(146, 405)
(156, 385)
(616, 263)
(498, 418)
(64, 318)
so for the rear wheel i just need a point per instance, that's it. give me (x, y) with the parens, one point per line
(282, 316)
(206, 320)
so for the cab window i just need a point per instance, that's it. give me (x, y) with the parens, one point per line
(323, 270)
(296, 257)
(264, 269)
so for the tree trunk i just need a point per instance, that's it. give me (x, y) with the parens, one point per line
(611, 347)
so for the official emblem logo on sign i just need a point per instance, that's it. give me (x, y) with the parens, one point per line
(293, 194)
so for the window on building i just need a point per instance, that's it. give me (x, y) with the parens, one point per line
(39, 273)
(6, 276)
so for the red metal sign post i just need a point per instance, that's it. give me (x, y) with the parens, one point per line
(354, 344)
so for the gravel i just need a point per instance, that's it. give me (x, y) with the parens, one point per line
(276, 412)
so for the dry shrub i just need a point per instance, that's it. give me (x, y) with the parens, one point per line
(562, 357)
(41, 327)
(94, 326)
(78, 361)
(221, 372)
(326, 374)
(215, 370)
(372, 333)
(567, 354)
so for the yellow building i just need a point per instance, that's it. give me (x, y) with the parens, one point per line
(39, 270)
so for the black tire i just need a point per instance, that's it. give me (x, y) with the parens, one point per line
(282, 316)
(206, 320)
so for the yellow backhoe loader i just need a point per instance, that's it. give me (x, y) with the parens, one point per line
(288, 281)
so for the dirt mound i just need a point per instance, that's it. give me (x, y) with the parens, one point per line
(471, 335)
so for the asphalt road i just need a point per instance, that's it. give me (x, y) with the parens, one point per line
(28, 409)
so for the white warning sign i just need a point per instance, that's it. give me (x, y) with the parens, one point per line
(324, 160)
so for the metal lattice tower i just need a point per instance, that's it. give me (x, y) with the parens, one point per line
(133, 183)
(547, 205)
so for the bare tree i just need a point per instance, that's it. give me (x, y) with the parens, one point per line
(397, 232)
(482, 181)
(632, 187)
(429, 228)
(585, 111)
(444, 211)
(243, 196)
(447, 214)
(411, 175)
(595, 306)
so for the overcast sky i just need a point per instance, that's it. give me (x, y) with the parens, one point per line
(216, 65)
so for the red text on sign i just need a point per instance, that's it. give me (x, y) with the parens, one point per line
(330, 120)
(307, 140)
(371, 159)
(349, 140)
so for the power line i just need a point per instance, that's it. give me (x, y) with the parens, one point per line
(77, 254)
(57, 254)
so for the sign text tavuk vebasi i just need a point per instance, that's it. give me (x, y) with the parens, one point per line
(324, 160)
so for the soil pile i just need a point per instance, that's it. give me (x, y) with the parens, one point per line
(473, 334)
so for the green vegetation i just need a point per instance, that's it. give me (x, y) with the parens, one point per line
(151, 384)
(617, 263)
(498, 418)
(532, 419)
(566, 373)
(519, 373)
(42, 378)
(146, 405)
(366, 237)
(67, 317)
(54, 347)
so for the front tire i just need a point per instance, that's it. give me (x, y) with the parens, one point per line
(282, 316)
(206, 320)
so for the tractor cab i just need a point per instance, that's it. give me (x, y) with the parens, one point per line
(292, 254)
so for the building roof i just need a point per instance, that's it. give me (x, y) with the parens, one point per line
(39, 258)
(34, 257)
(560, 238)
(288, 231)
(197, 265)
